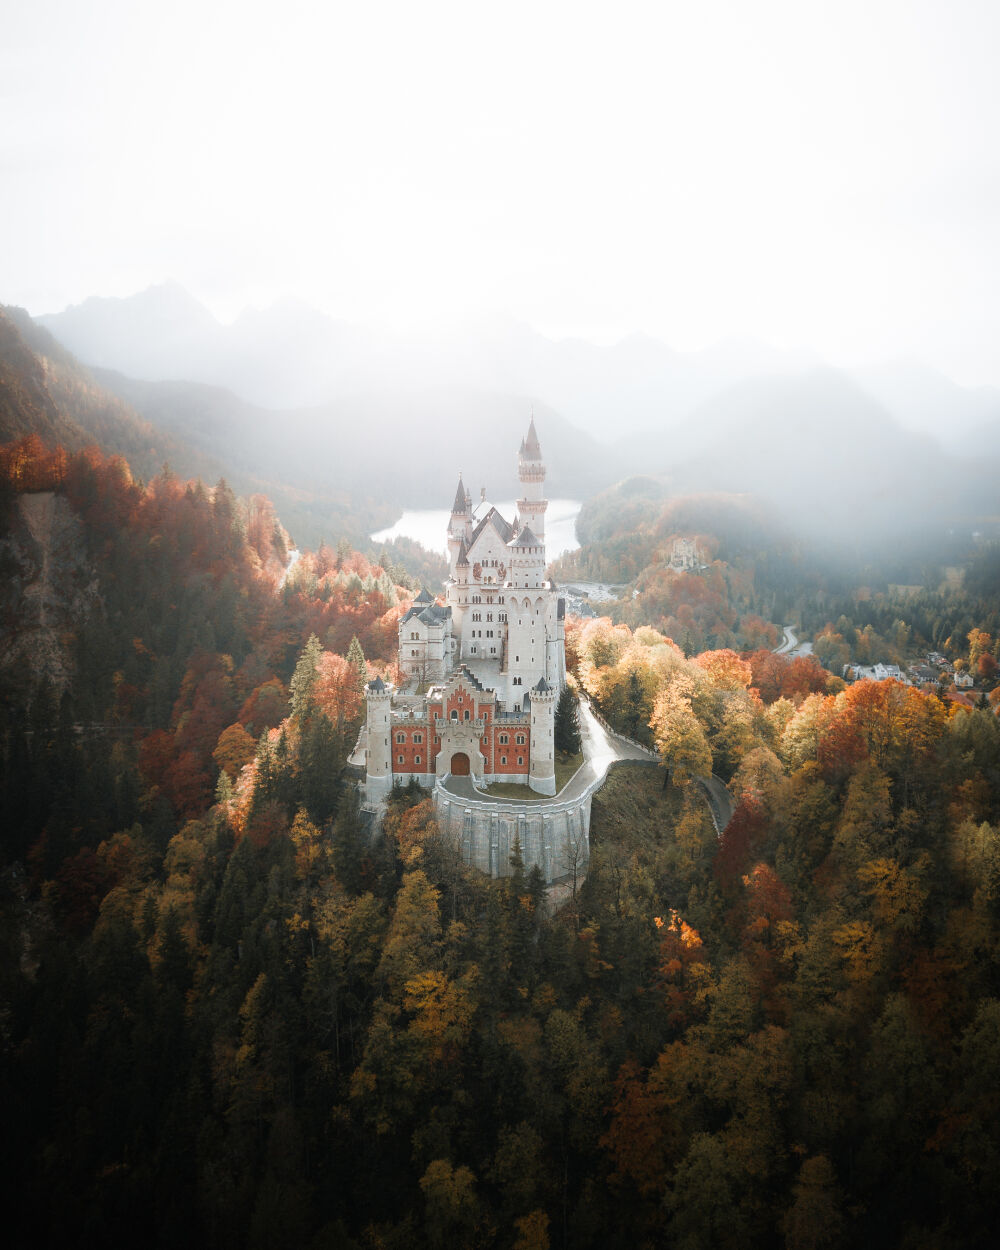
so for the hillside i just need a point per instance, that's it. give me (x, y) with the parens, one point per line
(202, 432)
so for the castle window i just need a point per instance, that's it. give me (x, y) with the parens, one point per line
(399, 759)
(466, 714)
(503, 759)
(437, 740)
(416, 759)
(418, 737)
(519, 740)
(520, 759)
(493, 650)
(517, 681)
(504, 739)
(489, 616)
(414, 637)
(454, 714)
(400, 738)
(413, 653)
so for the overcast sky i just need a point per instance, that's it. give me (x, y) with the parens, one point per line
(816, 175)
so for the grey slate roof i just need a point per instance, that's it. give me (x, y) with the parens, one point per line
(463, 556)
(461, 504)
(430, 613)
(499, 524)
(542, 686)
(377, 686)
(525, 539)
(424, 597)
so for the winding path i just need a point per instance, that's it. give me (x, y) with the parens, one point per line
(600, 751)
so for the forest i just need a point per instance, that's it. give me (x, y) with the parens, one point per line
(230, 1017)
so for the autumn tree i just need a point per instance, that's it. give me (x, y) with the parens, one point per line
(680, 738)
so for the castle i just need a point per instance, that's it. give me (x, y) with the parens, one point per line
(481, 672)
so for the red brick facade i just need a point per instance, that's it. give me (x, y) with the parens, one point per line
(506, 746)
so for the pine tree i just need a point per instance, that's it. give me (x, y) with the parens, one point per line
(304, 677)
(356, 659)
(567, 724)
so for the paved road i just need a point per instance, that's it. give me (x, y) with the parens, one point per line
(600, 751)
(790, 644)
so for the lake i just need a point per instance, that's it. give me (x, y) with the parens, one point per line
(429, 526)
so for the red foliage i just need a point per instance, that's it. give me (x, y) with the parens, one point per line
(778, 676)
(840, 749)
(745, 832)
(266, 708)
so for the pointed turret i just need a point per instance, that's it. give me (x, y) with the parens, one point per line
(461, 504)
(463, 556)
(531, 449)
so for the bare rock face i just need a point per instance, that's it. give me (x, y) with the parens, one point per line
(48, 588)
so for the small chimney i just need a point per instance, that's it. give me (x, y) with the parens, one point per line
(482, 494)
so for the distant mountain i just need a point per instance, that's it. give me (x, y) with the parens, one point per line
(26, 406)
(924, 399)
(44, 390)
(832, 459)
(290, 356)
(403, 449)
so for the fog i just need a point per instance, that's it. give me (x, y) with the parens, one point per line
(822, 177)
(741, 247)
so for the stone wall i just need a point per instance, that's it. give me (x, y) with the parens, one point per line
(555, 836)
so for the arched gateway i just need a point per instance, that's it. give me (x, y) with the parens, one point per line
(460, 764)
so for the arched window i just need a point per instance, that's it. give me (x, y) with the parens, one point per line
(520, 759)
(503, 759)
(466, 714)
(399, 759)
(454, 714)
(400, 738)
(416, 759)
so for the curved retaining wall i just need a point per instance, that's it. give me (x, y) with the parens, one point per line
(554, 834)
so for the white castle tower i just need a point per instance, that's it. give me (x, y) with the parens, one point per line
(542, 777)
(531, 471)
(378, 766)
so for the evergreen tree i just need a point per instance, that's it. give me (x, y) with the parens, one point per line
(567, 724)
(304, 677)
(356, 659)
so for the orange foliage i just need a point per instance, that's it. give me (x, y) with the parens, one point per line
(234, 749)
(726, 669)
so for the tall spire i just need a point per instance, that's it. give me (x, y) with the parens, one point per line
(461, 505)
(531, 448)
(531, 471)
